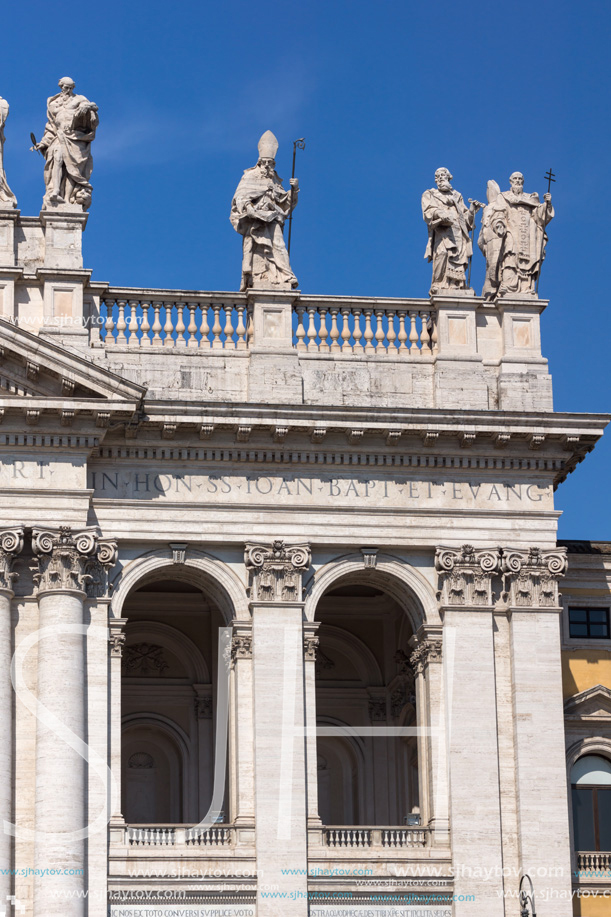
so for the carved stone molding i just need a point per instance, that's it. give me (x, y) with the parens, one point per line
(426, 652)
(144, 660)
(203, 707)
(11, 543)
(241, 647)
(370, 558)
(530, 578)
(311, 646)
(72, 561)
(276, 570)
(465, 575)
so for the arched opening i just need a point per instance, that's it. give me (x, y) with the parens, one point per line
(591, 797)
(168, 699)
(364, 679)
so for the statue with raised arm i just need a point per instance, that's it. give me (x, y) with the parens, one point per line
(450, 222)
(259, 209)
(513, 237)
(72, 121)
(7, 198)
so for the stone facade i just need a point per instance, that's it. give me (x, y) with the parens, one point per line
(281, 578)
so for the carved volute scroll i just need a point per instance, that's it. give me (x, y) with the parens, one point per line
(11, 543)
(465, 575)
(276, 570)
(530, 578)
(72, 561)
(427, 651)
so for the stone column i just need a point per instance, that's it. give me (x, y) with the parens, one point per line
(116, 639)
(67, 563)
(11, 543)
(531, 592)
(280, 767)
(466, 607)
(310, 650)
(243, 764)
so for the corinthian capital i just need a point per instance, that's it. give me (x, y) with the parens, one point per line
(530, 578)
(428, 650)
(465, 575)
(276, 570)
(72, 561)
(11, 543)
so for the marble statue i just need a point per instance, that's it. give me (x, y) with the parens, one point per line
(7, 198)
(450, 222)
(259, 209)
(512, 238)
(66, 145)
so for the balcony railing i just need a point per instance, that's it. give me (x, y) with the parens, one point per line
(594, 860)
(350, 837)
(178, 835)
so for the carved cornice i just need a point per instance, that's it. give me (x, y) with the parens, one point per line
(72, 562)
(11, 543)
(530, 578)
(426, 652)
(276, 570)
(465, 575)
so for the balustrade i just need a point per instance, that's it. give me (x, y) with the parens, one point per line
(360, 329)
(202, 323)
(175, 835)
(594, 860)
(348, 837)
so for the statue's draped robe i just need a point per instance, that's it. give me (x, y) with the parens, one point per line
(6, 195)
(526, 218)
(449, 247)
(69, 132)
(258, 214)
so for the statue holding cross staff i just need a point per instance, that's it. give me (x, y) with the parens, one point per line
(513, 237)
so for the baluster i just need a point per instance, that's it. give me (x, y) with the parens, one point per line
(334, 330)
(402, 314)
(217, 344)
(241, 329)
(145, 327)
(109, 324)
(133, 324)
(358, 331)
(369, 348)
(181, 341)
(346, 329)
(425, 338)
(379, 331)
(229, 342)
(168, 327)
(312, 345)
(157, 339)
(121, 324)
(391, 333)
(250, 328)
(434, 341)
(413, 334)
(205, 327)
(324, 332)
(192, 326)
(300, 332)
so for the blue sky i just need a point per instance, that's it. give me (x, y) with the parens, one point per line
(384, 94)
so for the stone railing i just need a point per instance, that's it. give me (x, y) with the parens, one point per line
(204, 322)
(201, 321)
(594, 860)
(178, 835)
(351, 326)
(353, 838)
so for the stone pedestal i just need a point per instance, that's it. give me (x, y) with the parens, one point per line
(274, 364)
(524, 381)
(11, 542)
(459, 376)
(8, 222)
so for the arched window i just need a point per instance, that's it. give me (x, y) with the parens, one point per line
(591, 790)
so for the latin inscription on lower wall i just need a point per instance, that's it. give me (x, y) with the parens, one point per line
(336, 491)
